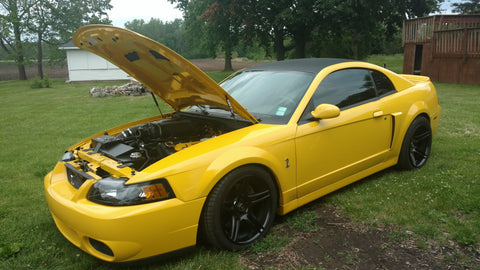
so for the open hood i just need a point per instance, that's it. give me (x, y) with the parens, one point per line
(167, 74)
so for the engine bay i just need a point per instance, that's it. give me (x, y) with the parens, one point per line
(139, 146)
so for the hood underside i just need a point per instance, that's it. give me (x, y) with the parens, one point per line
(168, 75)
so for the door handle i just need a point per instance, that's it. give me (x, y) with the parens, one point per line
(377, 114)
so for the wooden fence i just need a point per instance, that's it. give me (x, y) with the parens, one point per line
(457, 43)
(444, 47)
(422, 30)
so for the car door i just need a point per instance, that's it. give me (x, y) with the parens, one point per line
(329, 150)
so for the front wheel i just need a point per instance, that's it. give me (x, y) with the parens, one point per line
(240, 209)
(416, 146)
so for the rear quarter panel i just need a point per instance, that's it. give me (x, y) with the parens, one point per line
(419, 99)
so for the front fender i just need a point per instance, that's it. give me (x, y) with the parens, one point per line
(234, 158)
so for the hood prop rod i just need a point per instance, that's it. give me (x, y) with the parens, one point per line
(230, 107)
(156, 103)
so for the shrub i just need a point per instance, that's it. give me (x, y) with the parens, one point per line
(41, 83)
(37, 83)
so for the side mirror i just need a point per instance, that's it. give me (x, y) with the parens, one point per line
(325, 111)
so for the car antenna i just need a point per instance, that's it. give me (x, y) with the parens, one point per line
(230, 107)
(156, 103)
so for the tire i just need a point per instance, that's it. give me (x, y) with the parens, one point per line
(240, 209)
(416, 145)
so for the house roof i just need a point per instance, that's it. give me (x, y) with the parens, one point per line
(68, 46)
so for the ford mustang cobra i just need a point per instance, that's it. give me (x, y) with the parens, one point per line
(229, 157)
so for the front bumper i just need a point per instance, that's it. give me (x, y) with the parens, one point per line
(120, 233)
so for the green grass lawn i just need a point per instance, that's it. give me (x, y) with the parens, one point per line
(392, 62)
(440, 201)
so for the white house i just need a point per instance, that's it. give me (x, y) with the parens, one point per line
(86, 66)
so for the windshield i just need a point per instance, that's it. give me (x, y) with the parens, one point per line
(270, 96)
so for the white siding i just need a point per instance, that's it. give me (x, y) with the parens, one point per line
(86, 66)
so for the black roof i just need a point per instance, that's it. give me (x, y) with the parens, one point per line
(311, 65)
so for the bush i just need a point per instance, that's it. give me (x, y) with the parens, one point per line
(41, 83)
(46, 82)
(36, 83)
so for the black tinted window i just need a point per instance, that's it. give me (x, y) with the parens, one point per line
(383, 84)
(346, 87)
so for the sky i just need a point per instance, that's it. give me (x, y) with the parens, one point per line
(128, 10)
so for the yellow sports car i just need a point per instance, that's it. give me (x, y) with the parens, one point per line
(266, 141)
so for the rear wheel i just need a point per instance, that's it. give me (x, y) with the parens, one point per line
(240, 209)
(416, 146)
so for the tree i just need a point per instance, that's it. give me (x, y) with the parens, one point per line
(278, 20)
(265, 21)
(470, 7)
(168, 33)
(54, 21)
(13, 23)
(301, 18)
(40, 20)
(223, 26)
(357, 28)
(51, 21)
(338, 28)
(219, 22)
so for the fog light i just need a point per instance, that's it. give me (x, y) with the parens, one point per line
(100, 247)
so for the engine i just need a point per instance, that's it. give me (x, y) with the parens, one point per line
(140, 146)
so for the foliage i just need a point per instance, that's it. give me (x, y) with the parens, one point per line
(288, 29)
(470, 7)
(13, 23)
(40, 21)
(168, 33)
(223, 24)
(358, 28)
(41, 83)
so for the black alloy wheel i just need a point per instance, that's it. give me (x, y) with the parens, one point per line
(417, 145)
(240, 209)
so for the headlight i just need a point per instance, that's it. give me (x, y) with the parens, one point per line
(68, 156)
(113, 191)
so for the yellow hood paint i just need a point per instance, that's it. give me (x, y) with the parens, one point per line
(167, 74)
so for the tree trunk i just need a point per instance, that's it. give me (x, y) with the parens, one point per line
(300, 43)
(22, 74)
(19, 59)
(354, 43)
(40, 56)
(228, 56)
(279, 47)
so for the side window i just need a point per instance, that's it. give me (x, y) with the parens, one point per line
(345, 87)
(383, 84)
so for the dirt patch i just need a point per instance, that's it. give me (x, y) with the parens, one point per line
(338, 243)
